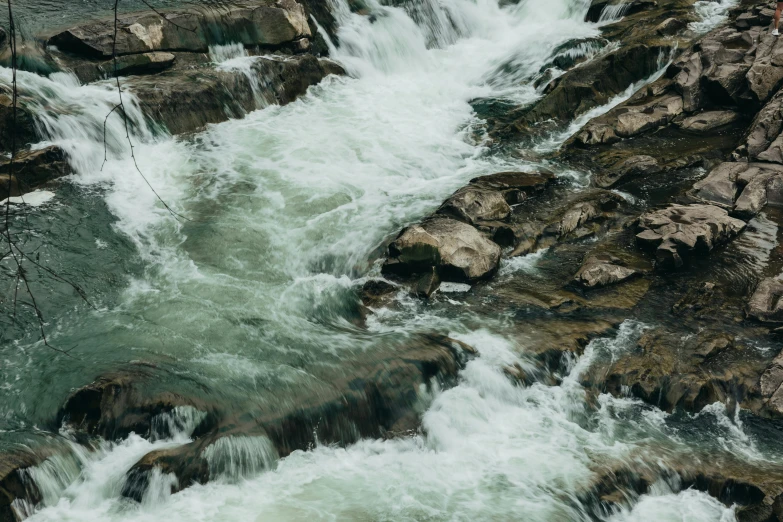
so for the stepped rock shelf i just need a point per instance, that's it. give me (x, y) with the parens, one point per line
(684, 176)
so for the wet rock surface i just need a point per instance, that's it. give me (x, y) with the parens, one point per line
(677, 232)
(457, 250)
(602, 270)
(267, 23)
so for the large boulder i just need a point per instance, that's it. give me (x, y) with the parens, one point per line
(766, 303)
(679, 231)
(457, 250)
(270, 24)
(186, 100)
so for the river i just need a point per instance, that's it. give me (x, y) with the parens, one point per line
(255, 292)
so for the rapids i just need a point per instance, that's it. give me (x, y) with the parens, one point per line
(286, 210)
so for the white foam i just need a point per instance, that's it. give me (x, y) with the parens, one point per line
(33, 199)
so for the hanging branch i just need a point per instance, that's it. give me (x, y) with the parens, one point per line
(15, 251)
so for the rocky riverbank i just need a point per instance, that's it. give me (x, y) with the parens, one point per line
(685, 174)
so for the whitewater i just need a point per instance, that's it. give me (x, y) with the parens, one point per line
(285, 210)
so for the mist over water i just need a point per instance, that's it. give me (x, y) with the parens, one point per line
(285, 209)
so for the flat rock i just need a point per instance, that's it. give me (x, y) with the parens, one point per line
(679, 231)
(707, 121)
(458, 251)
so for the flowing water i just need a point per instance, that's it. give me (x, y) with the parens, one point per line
(246, 301)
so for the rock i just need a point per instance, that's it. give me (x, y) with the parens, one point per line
(8, 186)
(720, 186)
(651, 115)
(593, 84)
(458, 251)
(688, 81)
(671, 371)
(765, 128)
(634, 166)
(378, 292)
(378, 395)
(766, 304)
(634, 6)
(743, 188)
(596, 133)
(766, 74)
(770, 384)
(707, 121)
(36, 167)
(725, 84)
(679, 231)
(426, 284)
(602, 270)
(635, 117)
(185, 100)
(127, 65)
(670, 26)
(122, 402)
(473, 205)
(516, 186)
(24, 131)
(270, 24)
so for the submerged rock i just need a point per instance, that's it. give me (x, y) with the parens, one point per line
(457, 250)
(679, 231)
